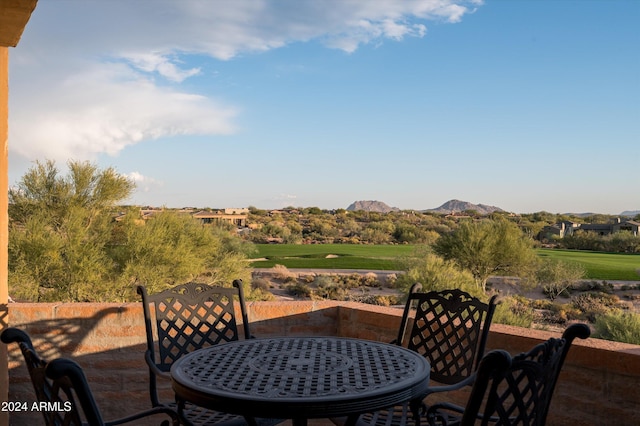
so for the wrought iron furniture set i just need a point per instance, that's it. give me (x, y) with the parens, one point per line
(301, 377)
(442, 337)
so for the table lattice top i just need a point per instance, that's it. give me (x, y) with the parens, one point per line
(311, 375)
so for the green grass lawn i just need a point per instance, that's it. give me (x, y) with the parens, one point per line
(599, 266)
(321, 256)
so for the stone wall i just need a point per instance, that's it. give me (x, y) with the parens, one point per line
(599, 384)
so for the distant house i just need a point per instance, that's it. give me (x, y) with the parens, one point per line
(567, 228)
(237, 217)
(627, 225)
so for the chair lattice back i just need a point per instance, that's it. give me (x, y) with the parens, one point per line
(191, 316)
(519, 392)
(450, 329)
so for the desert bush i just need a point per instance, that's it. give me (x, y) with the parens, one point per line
(260, 284)
(299, 290)
(350, 281)
(556, 277)
(514, 310)
(592, 304)
(435, 273)
(280, 272)
(261, 295)
(308, 278)
(370, 279)
(390, 280)
(327, 288)
(379, 300)
(593, 285)
(619, 326)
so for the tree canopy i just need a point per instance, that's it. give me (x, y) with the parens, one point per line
(487, 247)
(66, 245)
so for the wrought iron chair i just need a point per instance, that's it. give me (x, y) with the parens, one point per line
(185, 318)
(35, 364)
(512, 391)
(450, 329)
(46, 390)
(71, 399)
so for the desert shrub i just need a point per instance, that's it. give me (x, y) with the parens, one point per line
(350, 281)
(308, 278)
(593, 304)
(299, 290)
(556, 277)
(260, 284)
(370, 279)
(378, 300)
(514, 310)
(599, 286)
(390, 280)
(435, 274)
(327, 288)
(619, 326)
(280, 272)
(261, 295)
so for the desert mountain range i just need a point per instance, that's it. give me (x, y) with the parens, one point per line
(451, 206)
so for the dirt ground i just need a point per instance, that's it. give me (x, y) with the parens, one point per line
(627, 292)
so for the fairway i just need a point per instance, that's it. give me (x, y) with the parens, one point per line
(598, 266)
(332, 256)
(601, 266)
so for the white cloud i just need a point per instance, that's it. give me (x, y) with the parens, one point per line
(103, 109)
(153, 62)
(96, 77)
(144, 183)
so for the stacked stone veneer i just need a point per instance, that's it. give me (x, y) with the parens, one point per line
(600, 383)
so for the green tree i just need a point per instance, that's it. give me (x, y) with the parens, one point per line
(171, 248)
(64, 244)
(486, 248)
(435, 273)
(59, 228)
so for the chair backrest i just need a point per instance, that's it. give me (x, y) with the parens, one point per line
(518, 390)
(188, 317)
(35, 364)
(71, 397)
(450, 329)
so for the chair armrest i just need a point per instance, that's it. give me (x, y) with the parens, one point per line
(175, 420)
(448, 388)
(152, 365)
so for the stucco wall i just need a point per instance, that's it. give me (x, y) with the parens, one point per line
(598, 386)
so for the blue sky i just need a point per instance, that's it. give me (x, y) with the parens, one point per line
(524, 105)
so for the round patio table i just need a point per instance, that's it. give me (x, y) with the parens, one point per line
(300, 378)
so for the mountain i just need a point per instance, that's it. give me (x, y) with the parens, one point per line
(630, 213)
(457, 206)
(372, 206)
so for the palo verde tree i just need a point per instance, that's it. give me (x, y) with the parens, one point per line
(488, 247)
(64, 244)
(171, 248)
(59, 226)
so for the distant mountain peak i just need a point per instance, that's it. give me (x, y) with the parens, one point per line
(372, 206)
(457, 206)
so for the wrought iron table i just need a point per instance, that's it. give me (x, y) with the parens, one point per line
(300, 378)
